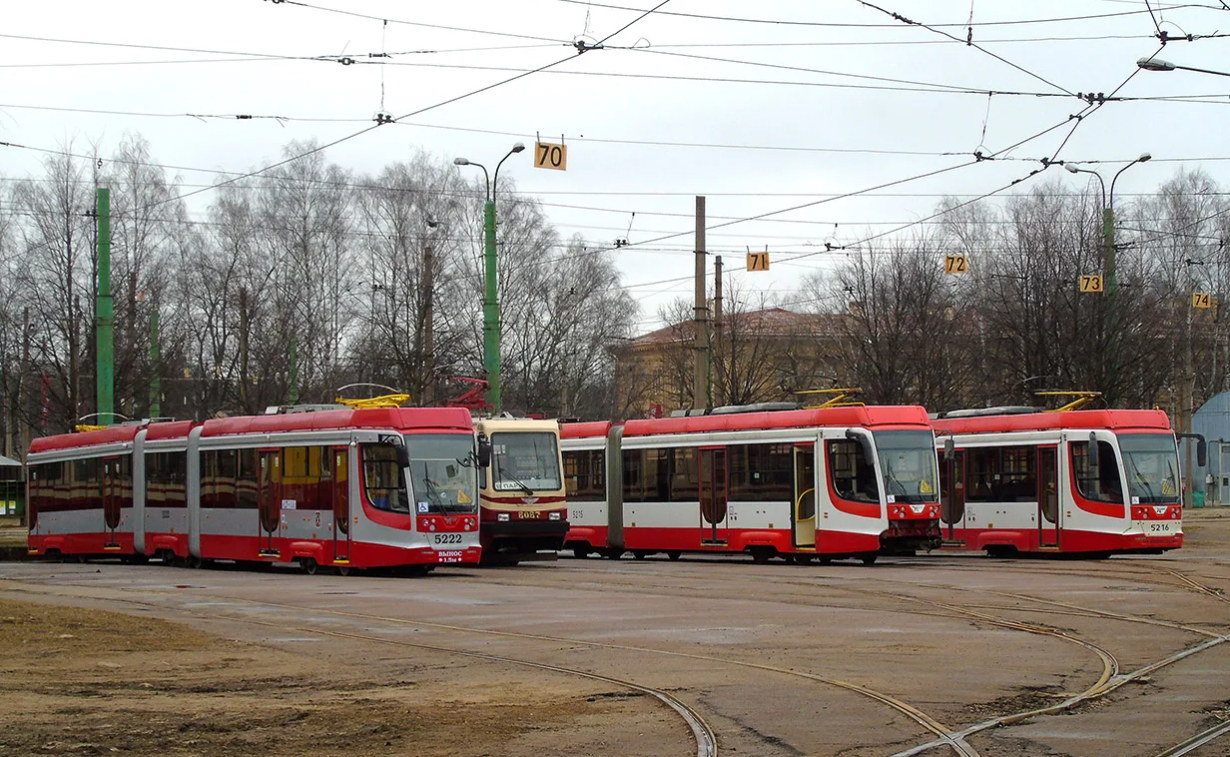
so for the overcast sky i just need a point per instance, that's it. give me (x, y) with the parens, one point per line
(847, 130)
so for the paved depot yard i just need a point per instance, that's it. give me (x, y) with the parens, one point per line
(777, 659)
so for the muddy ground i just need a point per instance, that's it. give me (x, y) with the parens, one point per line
(102, 658)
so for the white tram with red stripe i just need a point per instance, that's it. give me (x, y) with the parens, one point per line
(344, 488)
(824, 483)
(1094, 482)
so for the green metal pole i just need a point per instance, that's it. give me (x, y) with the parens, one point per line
(491, 313)
(155, 366)
(105, 313)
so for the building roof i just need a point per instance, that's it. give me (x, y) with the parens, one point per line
(767, 322)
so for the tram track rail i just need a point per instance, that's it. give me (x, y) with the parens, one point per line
(1196, 742)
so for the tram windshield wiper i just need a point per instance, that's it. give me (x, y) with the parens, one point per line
(505, 475)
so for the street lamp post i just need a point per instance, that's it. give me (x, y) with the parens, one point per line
(491, 303)
(1108, 241)
(1153, 64)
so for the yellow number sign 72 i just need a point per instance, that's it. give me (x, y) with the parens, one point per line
(956, 264)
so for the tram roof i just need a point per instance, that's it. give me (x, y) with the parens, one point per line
(421, 419)
(859, 415)
(108, 435)
(400, 419)
(585, 430)
(1090, 419)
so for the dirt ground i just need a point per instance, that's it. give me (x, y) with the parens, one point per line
(92, 682)
(102, 658)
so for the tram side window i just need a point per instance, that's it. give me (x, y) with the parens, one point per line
(302, 476)
(761, 472)
(87, 485)
(853, 479)
(1102, 485)
(634, 477)
(982, 466)
(585, 475)
(49, 487)
(166, 479)
(245, 479)
(383, 479)
(657, 475)
(1018, 480)
(685, 478)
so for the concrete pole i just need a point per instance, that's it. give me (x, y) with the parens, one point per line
(429, 329)
(700, 375)
(105, 313)
(720, 390)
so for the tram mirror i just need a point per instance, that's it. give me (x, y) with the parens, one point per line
(1202, 452)
(403, 456)
(484, 451)
(950, 449)
(864, 441)
(1093, 451)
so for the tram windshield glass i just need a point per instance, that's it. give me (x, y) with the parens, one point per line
(443, 472)
(1151, 462)
(908, 465)
(525, 461)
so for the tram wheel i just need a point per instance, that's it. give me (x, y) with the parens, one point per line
(194, 562)
(580, 551)
(761, 555)
(343, 570)
(826, 561)
(639, 554)
(308, 565)
(674, 555)
(869, 559)
(803, 559)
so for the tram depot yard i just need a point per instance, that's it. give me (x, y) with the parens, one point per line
(645, 657)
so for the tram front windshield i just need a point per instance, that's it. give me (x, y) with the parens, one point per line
(525, 461)
(1152, 465)
(908, 466)
(443, 472)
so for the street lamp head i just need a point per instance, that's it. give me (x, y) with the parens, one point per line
(461, 162)
(1155, 64)
(1071, 168)
(432, 222)
(518, 147)
(1144, 158)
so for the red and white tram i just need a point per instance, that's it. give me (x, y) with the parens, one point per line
(824, 483)
(1092, 482)
(344, 488)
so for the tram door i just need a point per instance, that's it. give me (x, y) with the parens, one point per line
(713, 523)
(341, 503)
(269, 498)
(805, 496)
(112, 498)
(1048, 498)
(952, 494)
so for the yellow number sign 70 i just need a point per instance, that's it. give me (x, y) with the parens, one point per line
(547, 155)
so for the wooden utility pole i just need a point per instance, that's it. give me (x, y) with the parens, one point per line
(720, 384)
(700, 376)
